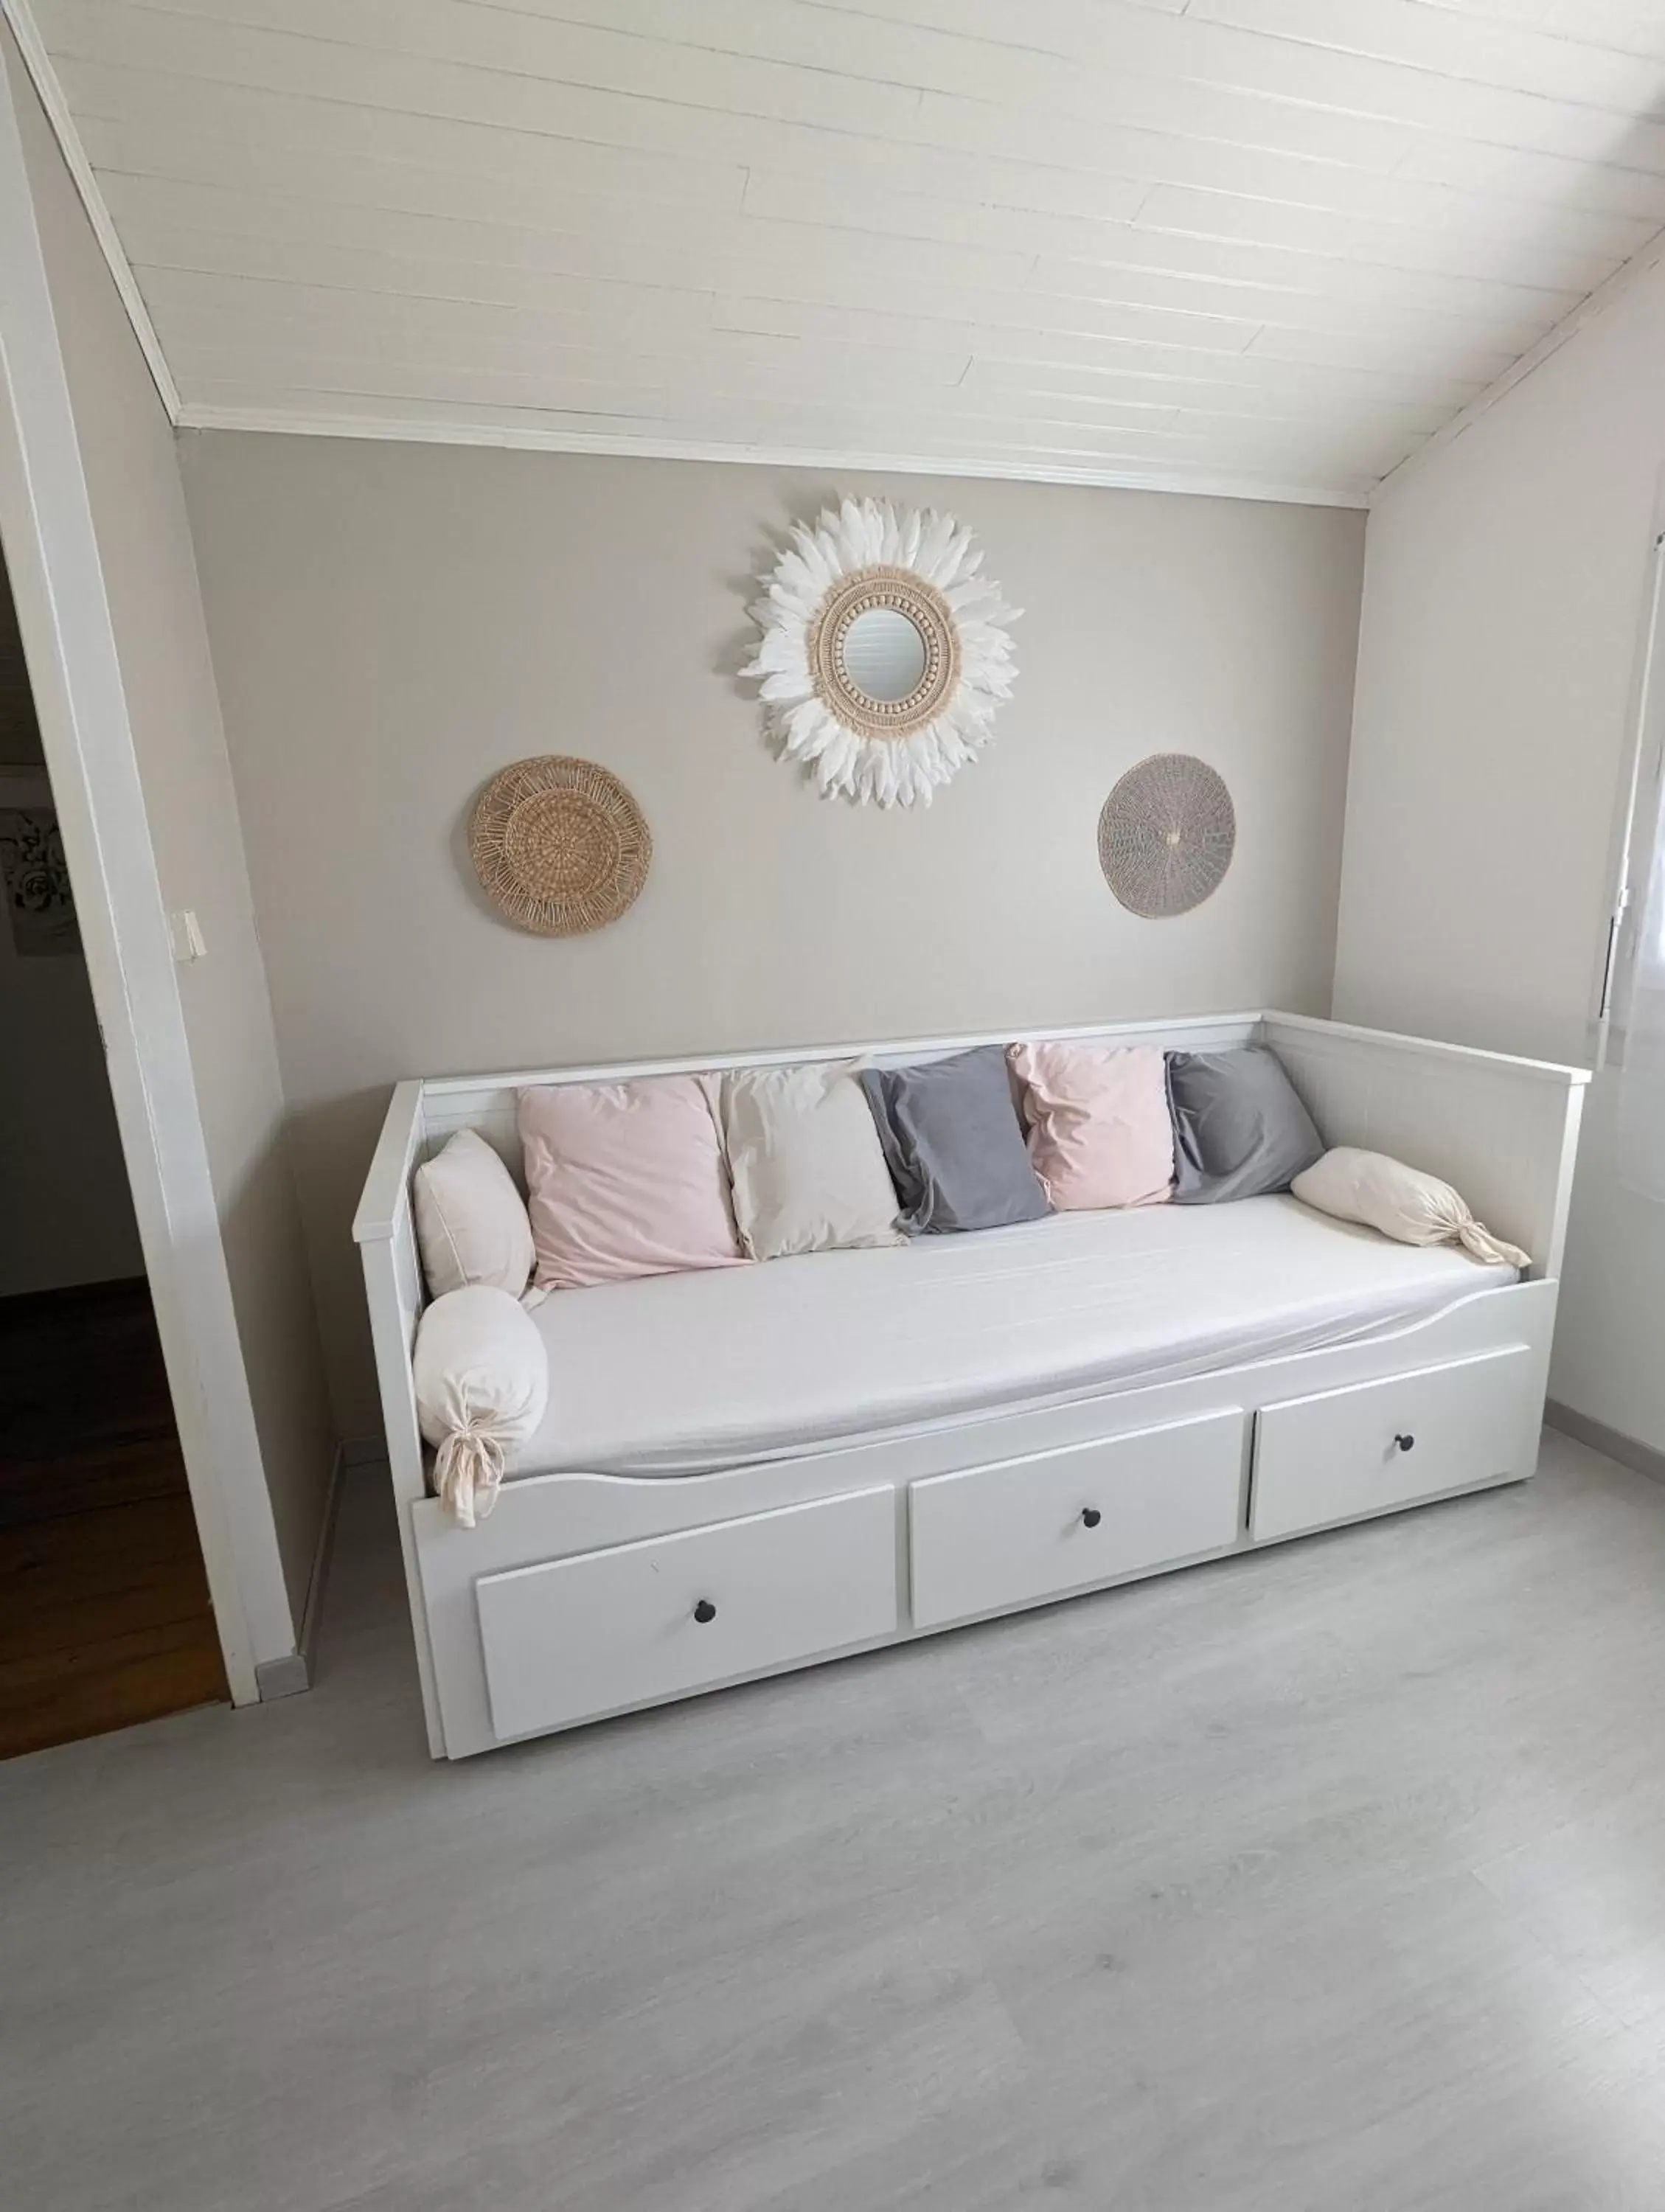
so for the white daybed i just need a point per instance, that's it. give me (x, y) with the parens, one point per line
(755, 1468)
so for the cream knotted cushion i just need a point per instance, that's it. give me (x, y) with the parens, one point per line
(482, 1383)
(1411, 1208)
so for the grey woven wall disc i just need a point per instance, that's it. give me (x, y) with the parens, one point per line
(1165, 835)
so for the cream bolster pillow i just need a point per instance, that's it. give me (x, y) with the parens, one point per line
(472, 1223)
(483, 1386)
(1403, 1203)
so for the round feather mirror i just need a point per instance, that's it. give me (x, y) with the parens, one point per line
(1166, 835)
(883, 653)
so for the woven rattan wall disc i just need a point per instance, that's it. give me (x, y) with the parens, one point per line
(559, 845)
(1166, 835)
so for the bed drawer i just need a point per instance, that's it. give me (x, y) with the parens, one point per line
(1347, 1453)
(577, 1637)
(1032, 1529)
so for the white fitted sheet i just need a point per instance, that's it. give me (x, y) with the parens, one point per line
(684, 1374)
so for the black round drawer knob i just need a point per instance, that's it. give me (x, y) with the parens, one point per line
(1090, 1516)
(705, 1611)
(1405, 1443)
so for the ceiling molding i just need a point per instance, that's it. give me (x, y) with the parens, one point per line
(1607, 295)
(416, 429)
(49, 93)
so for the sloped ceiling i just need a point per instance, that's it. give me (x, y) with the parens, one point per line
(1267, 245)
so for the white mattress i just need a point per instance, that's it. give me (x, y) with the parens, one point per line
(684, 1374)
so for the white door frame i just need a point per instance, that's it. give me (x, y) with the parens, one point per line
(1636, 819)
(46, 528)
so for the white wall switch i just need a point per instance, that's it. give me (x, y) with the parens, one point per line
(186, 932)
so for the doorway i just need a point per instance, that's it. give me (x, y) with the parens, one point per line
(105, 1617)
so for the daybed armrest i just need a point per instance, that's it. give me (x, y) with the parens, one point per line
(385, 1235)
(386, 1239)
(386, 1187)
(1503, 1131)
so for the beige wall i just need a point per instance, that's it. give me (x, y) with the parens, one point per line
(1504, 605)
(392, 623)
(64, 1195)
(132, 475)
(1503, 600)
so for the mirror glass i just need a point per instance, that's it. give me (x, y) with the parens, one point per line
(883, 654)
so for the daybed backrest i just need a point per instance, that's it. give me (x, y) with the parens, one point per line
(1502, 1130)
(489, 1104)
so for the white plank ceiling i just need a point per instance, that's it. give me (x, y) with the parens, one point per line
(1268, 246)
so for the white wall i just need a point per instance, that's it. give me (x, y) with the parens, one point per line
(67, 1212)
(128, 458)
(1505, 576)
(391, 623)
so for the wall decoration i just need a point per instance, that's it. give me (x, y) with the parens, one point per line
(559, 845)
(1166, 835)
(884, 652)
(41, 910)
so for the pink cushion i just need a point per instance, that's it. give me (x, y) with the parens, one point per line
(1099, 1130)
(625, 1179)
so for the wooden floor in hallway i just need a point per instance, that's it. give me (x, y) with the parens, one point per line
(104, 1608)
(1327, 1879)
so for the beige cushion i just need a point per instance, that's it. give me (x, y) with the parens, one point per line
(808, 1168)
(471, 1222)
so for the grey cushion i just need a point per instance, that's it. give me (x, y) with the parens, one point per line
(1239, 1129)
(954, 1143)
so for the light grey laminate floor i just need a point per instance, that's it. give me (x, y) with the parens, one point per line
(1333, 1878)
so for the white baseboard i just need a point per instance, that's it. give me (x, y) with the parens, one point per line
(281, 1678)
(1629, 1451)
(288, 1676)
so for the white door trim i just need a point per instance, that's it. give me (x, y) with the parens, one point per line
(64, 615)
